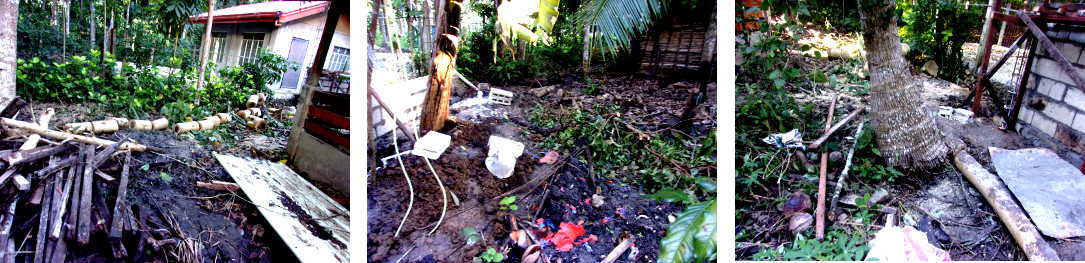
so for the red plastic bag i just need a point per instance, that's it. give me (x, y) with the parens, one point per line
(563, 239)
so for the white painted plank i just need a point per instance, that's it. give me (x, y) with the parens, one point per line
(263, 181)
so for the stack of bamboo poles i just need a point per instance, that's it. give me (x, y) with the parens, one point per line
(252, 114)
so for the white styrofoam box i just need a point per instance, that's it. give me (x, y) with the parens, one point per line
(962, 115)
(432, 145)
(502, 156)
(945, 111)
(500, 96)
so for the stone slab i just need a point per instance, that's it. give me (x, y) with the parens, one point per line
(1048, 188)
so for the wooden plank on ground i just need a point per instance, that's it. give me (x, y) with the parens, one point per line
(84, 223)
(43, 221)
(268, 184)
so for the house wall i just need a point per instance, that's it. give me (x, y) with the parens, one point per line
(1059, 124)
(277, 39)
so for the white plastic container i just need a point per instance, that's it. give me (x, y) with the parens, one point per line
(500, 96)
(432, 145)
(502, 156)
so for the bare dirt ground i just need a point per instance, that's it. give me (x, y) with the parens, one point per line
(938, 201)
(547, 194)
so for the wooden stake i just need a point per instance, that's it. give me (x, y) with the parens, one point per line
(77, 192)
(60, 205)
(43, 222)
(5, 230)
(219, 185)
(820, 220)
(619, 250)
(116, 230)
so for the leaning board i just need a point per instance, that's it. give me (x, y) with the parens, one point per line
(272, 187)
(1048, 187)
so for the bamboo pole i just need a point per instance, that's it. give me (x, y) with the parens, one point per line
(1018, 224)
(34, 128)
(820, 220)
(43, 121)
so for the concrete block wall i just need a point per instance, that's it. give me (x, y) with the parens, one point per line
(405, 99)
(1053, 110)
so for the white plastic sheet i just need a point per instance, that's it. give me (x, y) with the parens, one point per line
(904, 244)
(791, 139)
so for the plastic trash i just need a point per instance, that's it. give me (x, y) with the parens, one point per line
(549, 157)
(791, 139)
(432, 145)
(904, 244)
(502, 156)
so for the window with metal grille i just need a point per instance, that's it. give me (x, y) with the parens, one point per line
(339, 60)
(250, 46)
(218, 46)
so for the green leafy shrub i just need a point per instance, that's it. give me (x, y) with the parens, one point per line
(238, 82)
(507, 203)
(692, 236)
(936, 30)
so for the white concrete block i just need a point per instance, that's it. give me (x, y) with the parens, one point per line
(1079, 122)
(1070, 51)
(1060, 112)
(1045, 86)
(1025, 116)
(1057, 90)
(1075, 98)
(1078, 37)
(1047, 68)
(1045, 124)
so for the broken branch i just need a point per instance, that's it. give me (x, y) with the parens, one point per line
(817, 143)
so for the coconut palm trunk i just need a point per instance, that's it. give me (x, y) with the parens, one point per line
(9, 18)
(905, 130)
(442, 66)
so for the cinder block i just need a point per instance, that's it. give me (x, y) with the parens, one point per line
(1059, 112)
(1066, 135)
(1045, 85)
(1070, 51)
(1075, 98)
(1025, 116)
(1078, 37)
(1044, 124)
(1057, 90)
(1079, 122)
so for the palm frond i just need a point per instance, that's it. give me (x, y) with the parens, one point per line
(615, 23)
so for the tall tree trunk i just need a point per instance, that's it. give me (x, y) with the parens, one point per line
(388, 28)
(905, 133)
(410, 26)
(9, 18)
(426, 35)
(206, 44)
(435, 106)
(586, 61)
(67, 22)
(93, 24)
(370, 146)
(105, 35)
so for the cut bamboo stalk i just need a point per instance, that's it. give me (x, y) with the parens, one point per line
(184, 127)
(121, 122)
(847, 164)
(103, 126)
(214, 118)
(1022, 230)
(255, 100)
(140, 125)
(249, 112)
(256, 123)
(68, 136)
(820, 219)
(207, 124)
(160, 124)
(43, 121)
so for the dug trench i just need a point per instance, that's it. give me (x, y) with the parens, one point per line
(563, 190)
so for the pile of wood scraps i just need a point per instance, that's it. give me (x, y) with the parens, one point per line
(57, 193)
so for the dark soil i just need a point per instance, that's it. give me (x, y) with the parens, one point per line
(463, 170)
